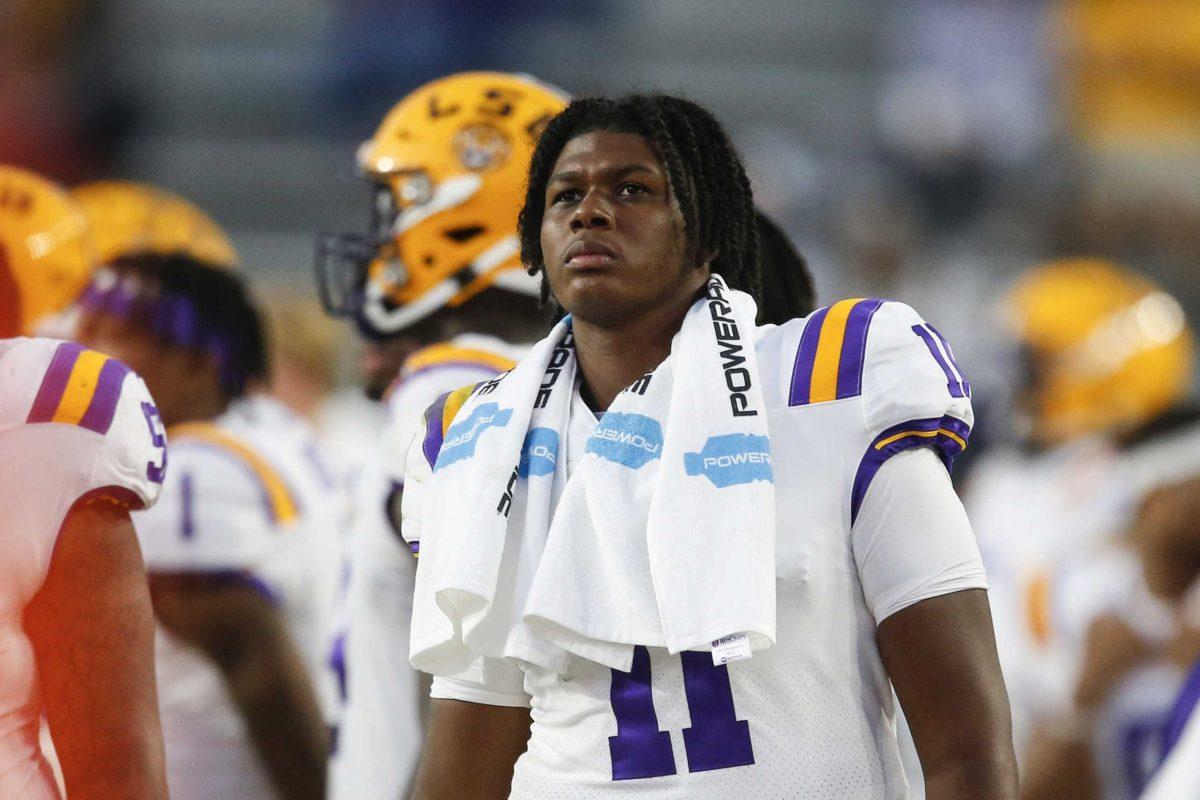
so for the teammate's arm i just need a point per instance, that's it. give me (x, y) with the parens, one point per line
(245, 635)
(470, 750)
(941, 656)
(92, 630)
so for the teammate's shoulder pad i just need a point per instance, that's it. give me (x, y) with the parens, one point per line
(438, 418)
(50, 382)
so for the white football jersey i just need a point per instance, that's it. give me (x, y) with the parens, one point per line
(849, 391)
(249, 499)
(74, 425)
(1050, 519)
(379, 733)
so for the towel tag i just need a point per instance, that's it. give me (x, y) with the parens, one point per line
(734, 647)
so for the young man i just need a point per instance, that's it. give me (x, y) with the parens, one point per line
(82, 445)
(242, 552)
(671, 554)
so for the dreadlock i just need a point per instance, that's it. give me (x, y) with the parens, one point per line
(705, 173)
(186, 302)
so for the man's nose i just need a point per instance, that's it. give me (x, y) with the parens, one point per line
(593, 211)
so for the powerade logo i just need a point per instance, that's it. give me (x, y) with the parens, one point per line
(629, 439)
(732, 459)
(539, 454)
(462, 436)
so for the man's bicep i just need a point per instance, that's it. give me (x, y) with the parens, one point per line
(911, 539)
(93, 633)
(470, 750)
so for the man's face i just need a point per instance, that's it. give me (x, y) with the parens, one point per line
(612, 235)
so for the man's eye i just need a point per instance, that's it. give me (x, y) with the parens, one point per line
(566, 196)
(628, 189)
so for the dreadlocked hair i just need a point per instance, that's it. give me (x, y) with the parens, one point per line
(186, 302)
(704, 170)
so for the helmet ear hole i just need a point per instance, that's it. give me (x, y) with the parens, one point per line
(465, 233)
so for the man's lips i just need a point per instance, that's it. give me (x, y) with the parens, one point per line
(588, 255)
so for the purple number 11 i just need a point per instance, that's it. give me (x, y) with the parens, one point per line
(716, 740)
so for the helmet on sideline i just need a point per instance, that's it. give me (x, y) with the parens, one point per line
(46, 253)
(128, 218)
(1109, 349)
(448, 165)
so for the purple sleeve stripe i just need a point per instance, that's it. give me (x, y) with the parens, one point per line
(854, 348)
(415, 547)
(942, 434)
(54, 383)
(100, 411)
(1182, 710)
(806, 356)
(433, 430)
(952, 384)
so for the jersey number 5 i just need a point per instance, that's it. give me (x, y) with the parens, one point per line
(155, 472)
(716, 740)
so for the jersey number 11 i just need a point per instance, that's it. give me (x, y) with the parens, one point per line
(716, 740)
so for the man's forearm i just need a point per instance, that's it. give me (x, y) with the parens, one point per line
(284, 722)
(987, 775)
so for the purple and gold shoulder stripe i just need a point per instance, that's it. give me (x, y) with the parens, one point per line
(438, 418)
(832, 352)
(80, 387)
(947, 436)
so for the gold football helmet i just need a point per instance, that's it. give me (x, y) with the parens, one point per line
(1109, 350)
(128, 217)
(449, 166)
(46, 254)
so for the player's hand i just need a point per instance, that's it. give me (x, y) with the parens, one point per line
(1113, 649)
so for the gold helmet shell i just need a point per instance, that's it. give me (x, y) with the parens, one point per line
(46, 253)
(449, 164)
(128, 217)
(1110, 349)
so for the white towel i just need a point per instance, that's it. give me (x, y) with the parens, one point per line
(663, 536)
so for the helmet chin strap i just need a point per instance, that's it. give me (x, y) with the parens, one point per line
(448, 194)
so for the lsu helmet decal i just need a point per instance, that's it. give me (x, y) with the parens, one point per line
(1109, 350)
(46, 253)
(128, 217)
(448, 165)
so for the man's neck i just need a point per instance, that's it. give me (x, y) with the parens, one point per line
(611, 358)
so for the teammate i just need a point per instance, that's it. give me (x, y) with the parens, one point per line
(1081, 627)
(570, 645)
(82, 446)
(448, 165)
(242, 552)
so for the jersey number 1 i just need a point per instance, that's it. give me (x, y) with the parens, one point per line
(716, 740)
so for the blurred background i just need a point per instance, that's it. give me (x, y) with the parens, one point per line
(924, 150)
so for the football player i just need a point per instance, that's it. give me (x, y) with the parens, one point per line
(1108, 360)
(242, 551)
(632, 204)
(82, 446)
(437, 279)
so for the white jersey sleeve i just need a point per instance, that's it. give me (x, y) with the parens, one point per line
(910, 535)
(100, 410)
(222, 508)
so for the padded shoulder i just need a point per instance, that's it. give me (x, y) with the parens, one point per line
(49, 382)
